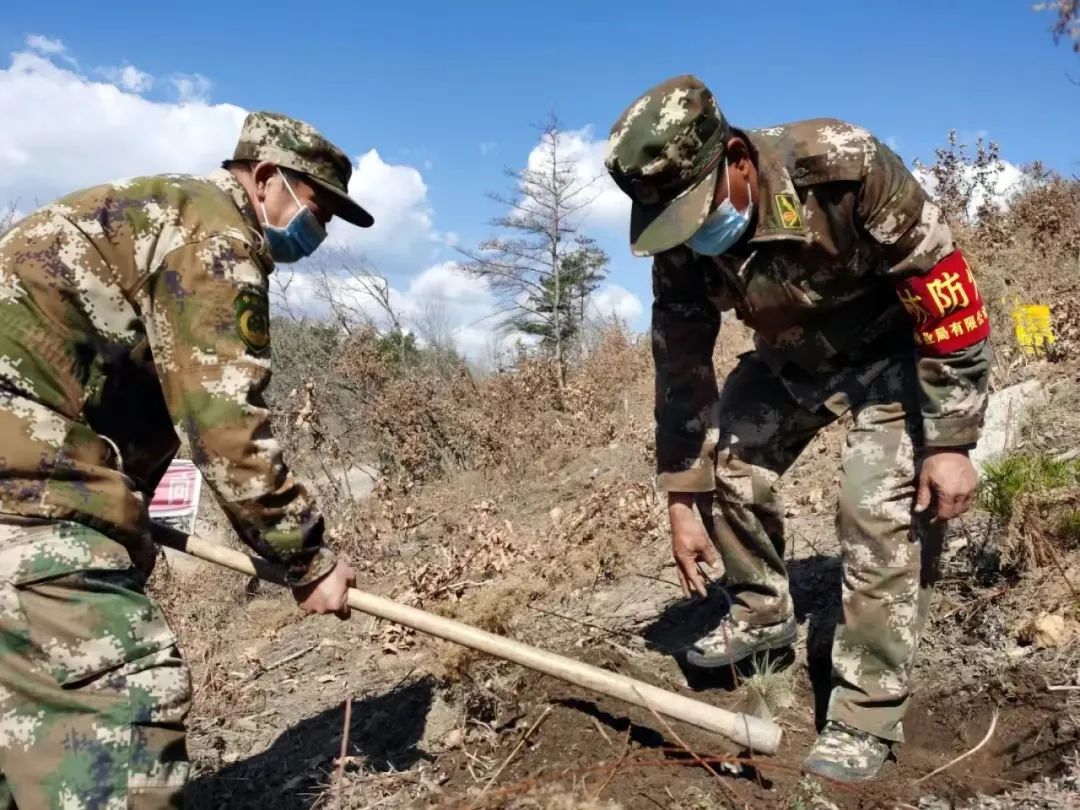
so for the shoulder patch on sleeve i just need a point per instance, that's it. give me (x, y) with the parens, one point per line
(253, 320)
(787, 211)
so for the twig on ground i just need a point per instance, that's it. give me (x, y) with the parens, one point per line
(600, 728)
(736, 683)
(658, 579)
(261, 670)
(344, 750)
(584, 623)
(1063, 689)
(380, 802)
(1057, 564)
(619, 647)
(517, 748)
(976, 601)
(615, 769)
(687, 748)
(435, 514)
(962, 757)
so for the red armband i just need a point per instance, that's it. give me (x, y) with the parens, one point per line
(945, 307)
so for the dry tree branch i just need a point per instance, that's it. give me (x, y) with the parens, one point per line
(962, 757)
(517, 748)
(687, 748)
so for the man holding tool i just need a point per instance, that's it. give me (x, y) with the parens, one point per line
(125, 310)
(828, 248)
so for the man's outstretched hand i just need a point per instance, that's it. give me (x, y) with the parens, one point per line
(329, 594)
(690, 543)
(948, 478)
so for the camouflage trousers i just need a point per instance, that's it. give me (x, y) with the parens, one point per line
(888, 558)
(93, 692)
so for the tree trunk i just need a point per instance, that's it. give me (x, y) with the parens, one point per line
(581, 319)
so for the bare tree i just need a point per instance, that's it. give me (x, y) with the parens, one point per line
(1067, 24)
(964, 184)
(526, 267)
(8, 217)
(433, 325)
(357, 294)
(435, 330)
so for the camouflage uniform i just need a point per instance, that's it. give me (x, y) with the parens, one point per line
(845, 278)
(128, 311)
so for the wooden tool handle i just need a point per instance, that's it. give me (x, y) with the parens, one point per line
(761, 736)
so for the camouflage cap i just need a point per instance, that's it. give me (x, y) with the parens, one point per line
(665, 152)
(297, 145)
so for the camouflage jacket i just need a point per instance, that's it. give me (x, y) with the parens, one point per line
(127, 310)
(841, 224)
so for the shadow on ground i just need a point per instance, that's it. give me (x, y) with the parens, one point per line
(815, 592)
(384, 730)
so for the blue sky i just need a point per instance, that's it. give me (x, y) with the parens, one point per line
(427, 84)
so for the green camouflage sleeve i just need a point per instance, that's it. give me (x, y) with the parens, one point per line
(208, 322)
(685, 323)
(953, 372)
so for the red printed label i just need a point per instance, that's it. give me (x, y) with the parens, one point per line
(945, 307)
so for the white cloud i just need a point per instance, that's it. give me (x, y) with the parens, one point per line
(129, 78)
(610, 208)
(63, 131)
(613, 301)
(404, 235)
(46, 45)
(191, 87)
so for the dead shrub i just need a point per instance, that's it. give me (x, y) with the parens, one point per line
(1043, 527)
(425, 422)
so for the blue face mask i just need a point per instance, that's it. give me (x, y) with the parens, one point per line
(723, 227)
(299, 238)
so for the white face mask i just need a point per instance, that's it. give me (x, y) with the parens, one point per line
(724, 226)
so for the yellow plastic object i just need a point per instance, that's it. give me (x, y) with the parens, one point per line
(1033, 331)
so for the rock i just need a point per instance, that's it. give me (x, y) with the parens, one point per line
(1005, 413)
(1051, 630)
(1048, 631)
(454, 739)
(442, 719)
(556, 515)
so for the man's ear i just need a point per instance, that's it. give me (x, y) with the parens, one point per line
(737, 152)
(261, 174)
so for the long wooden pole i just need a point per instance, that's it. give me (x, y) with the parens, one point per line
(761, 736)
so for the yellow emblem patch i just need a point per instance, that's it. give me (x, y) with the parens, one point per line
(253, 320)
(788, 210)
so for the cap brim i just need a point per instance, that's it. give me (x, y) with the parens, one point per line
(345, 206)
(656, 228)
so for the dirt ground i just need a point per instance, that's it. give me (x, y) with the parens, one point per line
(575, 558)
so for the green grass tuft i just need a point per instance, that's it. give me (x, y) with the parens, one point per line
(1006, 480)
